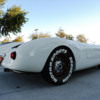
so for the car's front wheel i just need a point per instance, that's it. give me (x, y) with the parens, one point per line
(59, 66)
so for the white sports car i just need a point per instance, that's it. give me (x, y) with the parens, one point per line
(55, 58)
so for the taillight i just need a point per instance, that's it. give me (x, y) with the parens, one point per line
(1, 58)
(13, 55)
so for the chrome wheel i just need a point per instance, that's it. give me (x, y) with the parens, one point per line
(58, 67)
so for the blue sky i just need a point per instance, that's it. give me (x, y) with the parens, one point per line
(74, 16)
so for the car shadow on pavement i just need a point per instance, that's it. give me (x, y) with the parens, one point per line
(84, 73)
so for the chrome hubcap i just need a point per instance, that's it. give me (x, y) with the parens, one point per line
(58, 67)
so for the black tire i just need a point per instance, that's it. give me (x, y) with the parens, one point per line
(59, 66)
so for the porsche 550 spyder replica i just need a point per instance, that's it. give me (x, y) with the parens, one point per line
(55, 58)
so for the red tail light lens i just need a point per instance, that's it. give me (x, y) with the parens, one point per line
(1, 58)
(13, 55)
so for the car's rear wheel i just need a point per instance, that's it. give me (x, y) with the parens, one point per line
(59, 66)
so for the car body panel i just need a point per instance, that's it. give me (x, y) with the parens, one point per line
(89, 56)
(6, 47)
(32, 55)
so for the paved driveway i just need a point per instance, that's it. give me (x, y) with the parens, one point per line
(83, 85)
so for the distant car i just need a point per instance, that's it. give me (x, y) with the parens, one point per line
(55, 58)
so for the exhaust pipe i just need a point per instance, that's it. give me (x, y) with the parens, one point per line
(7, 70)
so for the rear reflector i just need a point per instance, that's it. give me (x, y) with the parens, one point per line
(13, 55)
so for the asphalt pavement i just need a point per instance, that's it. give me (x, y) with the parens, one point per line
(83, 85)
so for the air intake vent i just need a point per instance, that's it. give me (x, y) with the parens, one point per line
(16, 46)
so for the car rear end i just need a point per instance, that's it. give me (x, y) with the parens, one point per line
(5, 48)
